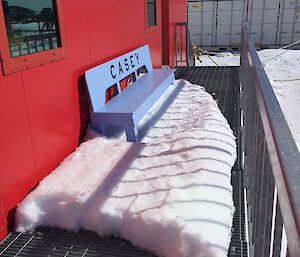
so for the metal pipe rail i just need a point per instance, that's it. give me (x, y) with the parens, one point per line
(183, 45)
(272, 162)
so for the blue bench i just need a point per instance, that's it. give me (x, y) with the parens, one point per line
(112, 104)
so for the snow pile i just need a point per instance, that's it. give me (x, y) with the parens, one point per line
(171, 195)
(222, 59)
(284, 74)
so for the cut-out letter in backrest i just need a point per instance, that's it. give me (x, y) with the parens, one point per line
(141, 71)
(111, 92)
(101, 77)
(127, 81)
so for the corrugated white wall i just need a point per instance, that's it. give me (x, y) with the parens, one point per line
(202, 22)
(289, 22)
(217, 23)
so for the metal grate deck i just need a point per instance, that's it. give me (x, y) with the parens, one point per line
(59, 243)
(222, 83)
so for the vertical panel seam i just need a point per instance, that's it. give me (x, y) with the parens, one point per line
(29, 125)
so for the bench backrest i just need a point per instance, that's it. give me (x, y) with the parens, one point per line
(102, 77)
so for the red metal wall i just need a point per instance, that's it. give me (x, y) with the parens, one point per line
(39, 108)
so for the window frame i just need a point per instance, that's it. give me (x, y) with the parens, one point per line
(155, 27)
(12, 65)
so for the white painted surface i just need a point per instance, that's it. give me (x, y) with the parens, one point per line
(202, 22)
(289, 22)
(273, 222)
(271, 22)
(283, 252)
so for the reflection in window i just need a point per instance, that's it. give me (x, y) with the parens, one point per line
(31, 26)
(151, 13)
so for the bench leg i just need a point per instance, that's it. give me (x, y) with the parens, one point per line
(132, 134)
(103, 128)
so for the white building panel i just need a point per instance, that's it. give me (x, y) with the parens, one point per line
(202, 31)
(223, 35)
(268, 35)
(290, 15)
(263, 20)
(202, 22)
(289, 3)
(286, 30)
(264, 16)
(199, 18)
(218, 23)
(228, 5)
(202, 41)
(236, 30)
(289, 22)
(228, 35)
(206, 41)
(231, 15)
(263, 4)
(206, 6)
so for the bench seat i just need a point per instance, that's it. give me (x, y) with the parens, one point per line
(125, 108)
(129, 107)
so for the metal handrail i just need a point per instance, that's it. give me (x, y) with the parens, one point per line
(266, 126)
(190, 51)
(180, 57)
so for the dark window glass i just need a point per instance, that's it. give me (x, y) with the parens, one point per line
(151, 13)
(31, 25)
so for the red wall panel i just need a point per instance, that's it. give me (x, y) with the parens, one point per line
(120, 26)
(39, 107)
(51, 90)
(17, 170)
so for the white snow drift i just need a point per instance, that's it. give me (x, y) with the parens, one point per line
(170, 195)
(284, 74)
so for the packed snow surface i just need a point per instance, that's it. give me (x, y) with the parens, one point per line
(283, 70)
(222, 59)
(284, 74)
(170, 194)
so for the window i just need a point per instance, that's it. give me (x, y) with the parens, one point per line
(151, 13)
(31, 33)
(31, 26)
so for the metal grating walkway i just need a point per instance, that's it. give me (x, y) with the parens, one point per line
(59, 243)
(222, 83)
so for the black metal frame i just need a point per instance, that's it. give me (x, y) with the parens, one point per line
(272, 160)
